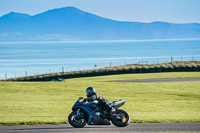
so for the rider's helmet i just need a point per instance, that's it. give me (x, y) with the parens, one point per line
(90, 91)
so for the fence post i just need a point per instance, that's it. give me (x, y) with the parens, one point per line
(63, 69)
(26, 73)
(6, 76)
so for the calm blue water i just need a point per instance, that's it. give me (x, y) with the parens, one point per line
(39, 58)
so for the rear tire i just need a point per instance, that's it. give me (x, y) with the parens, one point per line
(77, 122)
(121, 122)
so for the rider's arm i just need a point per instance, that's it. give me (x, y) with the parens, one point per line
(85, 100)
(92, 98)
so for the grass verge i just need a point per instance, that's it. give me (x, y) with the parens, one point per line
(51, 102)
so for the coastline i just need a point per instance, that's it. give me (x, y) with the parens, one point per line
(95, 41)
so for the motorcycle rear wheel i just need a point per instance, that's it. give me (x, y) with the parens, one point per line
(121, 122)
(77, 122)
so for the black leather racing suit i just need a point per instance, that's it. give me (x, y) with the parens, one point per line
(102, 102)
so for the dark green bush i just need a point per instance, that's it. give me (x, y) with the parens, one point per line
(158, 69)
(152, 69)
(162, 67)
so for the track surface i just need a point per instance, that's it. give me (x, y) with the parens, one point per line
(158, 80)
(132, 127)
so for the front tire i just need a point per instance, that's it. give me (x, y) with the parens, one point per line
(77, 121)
(123, 120)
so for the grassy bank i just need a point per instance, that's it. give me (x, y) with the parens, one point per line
(184, 66)
(51, 102)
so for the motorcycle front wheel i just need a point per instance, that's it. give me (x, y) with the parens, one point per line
(120, 118)
(77, 121)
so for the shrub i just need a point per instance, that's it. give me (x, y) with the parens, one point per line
(176, 68)
(135, 68)
(188, 67)
(170, 68)
(145, 69)
(138, 69)
(158, 68)
(164, 68)
(152, 69)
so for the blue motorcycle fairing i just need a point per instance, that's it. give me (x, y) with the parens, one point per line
(83, 107)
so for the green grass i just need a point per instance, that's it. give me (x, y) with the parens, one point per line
(51, 102)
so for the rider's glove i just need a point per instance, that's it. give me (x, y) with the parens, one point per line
(85, 100)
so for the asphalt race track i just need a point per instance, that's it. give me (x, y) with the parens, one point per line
(132, 127)
(158, 80)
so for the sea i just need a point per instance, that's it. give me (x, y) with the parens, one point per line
(19, 59)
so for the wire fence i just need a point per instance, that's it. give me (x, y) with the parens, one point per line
(95, 64)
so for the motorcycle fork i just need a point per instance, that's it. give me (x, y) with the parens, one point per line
(78, 113)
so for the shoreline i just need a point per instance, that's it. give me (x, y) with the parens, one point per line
(92, 41)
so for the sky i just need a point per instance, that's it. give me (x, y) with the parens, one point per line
(173, 11)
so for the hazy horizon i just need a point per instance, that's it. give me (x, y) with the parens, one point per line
(88, 41)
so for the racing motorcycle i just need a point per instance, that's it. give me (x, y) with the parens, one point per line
(90, 113)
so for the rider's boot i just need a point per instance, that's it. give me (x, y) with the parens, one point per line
(110, 110)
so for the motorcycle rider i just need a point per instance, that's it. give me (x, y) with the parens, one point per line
(102, 102)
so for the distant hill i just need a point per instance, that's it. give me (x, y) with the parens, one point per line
(70, 23)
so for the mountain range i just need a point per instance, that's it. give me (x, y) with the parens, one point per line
(72, 24)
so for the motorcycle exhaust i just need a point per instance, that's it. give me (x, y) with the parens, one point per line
(117, 104)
